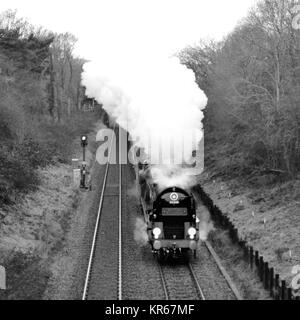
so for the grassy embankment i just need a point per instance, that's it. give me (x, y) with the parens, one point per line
(35, 221)
(263, 205)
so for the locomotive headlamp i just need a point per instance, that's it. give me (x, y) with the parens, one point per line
(192, 232)
(156, 232)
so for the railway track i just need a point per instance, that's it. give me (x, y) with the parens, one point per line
(186, 285)
(180, 281)
(107, 210)
(223, 271)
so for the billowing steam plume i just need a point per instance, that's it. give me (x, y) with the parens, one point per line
(140, 232)
(206, 225)
(160, 105)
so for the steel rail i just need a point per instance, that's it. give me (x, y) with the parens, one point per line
(194, 278)
(87, 278)
(199, 290)
(163, 281)
(120, 225)
(223, 271)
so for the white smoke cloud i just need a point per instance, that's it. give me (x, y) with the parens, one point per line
(166, 176)
(140, 232)
(206, 225)
(157, 101)
(133, 191)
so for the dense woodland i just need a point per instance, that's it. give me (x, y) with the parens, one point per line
(252, 79)
(41, 102)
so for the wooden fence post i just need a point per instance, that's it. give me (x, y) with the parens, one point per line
(251, 257)
(283, 289)
(266, 275)
(277, 286)
(271, 282)
(256, 258)
(289, 294)
(261, 268)
(246, 252)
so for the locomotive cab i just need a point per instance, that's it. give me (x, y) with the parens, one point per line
(174, 224)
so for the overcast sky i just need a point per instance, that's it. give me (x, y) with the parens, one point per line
(104, 27)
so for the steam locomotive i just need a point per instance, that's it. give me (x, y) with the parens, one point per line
(170, 215)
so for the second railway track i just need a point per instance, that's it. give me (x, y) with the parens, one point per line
(103, 278)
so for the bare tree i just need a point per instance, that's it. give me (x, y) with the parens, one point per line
(252, 79)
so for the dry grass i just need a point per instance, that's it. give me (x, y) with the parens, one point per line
(33, 231)
(266, 216)
(243, 277)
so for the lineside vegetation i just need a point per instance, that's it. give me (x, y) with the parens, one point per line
(41, 102)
